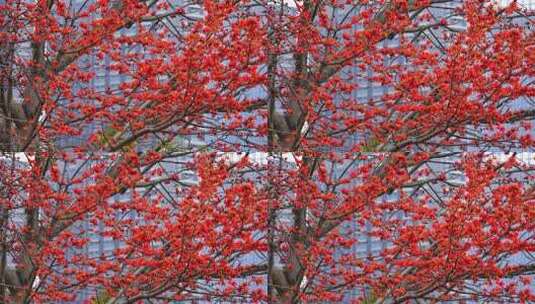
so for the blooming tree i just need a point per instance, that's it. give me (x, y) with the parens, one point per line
(241, 150)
